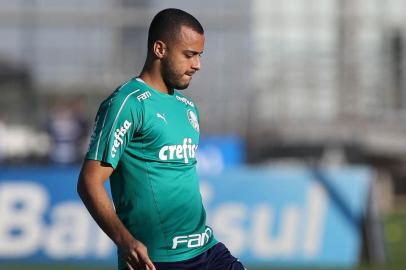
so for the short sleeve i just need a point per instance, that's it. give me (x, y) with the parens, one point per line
(116, 122)
(197, 114)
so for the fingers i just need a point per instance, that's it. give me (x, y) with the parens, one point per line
(129, 267)
(141, 261)
(133, 256)
(137, 257)
(147, 261)
(133, 265)
(133, 261)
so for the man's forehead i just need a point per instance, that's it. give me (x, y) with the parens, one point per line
(188, 35)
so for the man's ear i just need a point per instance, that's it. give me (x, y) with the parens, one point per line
(159, 49)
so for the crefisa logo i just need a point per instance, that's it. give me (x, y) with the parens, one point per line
(186, 101)
(193, 120)
(118, 135)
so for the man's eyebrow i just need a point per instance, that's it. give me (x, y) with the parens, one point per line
(193, 52)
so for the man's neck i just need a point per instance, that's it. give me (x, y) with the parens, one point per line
(153, 78)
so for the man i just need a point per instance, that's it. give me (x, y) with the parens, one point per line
(145, 139)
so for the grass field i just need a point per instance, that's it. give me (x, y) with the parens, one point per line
(395, 231)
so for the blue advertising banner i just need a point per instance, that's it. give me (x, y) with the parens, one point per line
(266, 216)
(43, 219)
(289, 216)
(217, 153)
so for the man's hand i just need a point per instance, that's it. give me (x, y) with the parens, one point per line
(136, 256)
(94, 196)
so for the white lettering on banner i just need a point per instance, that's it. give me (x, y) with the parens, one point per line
(300, 228)
(228, 224)
(102, 245)
(317, 207)
(68, 235)
(282, 245)
(21, 206)
(71, 232)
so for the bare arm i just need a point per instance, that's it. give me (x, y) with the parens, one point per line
(91, 190)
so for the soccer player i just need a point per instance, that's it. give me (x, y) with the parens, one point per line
(145, 139)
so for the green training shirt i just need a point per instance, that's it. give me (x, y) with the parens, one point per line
(150, 139)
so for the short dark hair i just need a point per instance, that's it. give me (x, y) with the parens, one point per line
(167, 23)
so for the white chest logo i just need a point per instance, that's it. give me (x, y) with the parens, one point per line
(162, 116)
(193, 120)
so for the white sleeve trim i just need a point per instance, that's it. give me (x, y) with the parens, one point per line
(119, 111)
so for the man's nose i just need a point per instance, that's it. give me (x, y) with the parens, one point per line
(196, 62)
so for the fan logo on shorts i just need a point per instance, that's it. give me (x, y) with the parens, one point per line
(193, 120)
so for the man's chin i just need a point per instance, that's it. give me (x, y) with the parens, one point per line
(182, 86)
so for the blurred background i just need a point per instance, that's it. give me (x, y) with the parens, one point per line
(301, 102)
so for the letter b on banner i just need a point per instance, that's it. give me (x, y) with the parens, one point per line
(22, 205)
